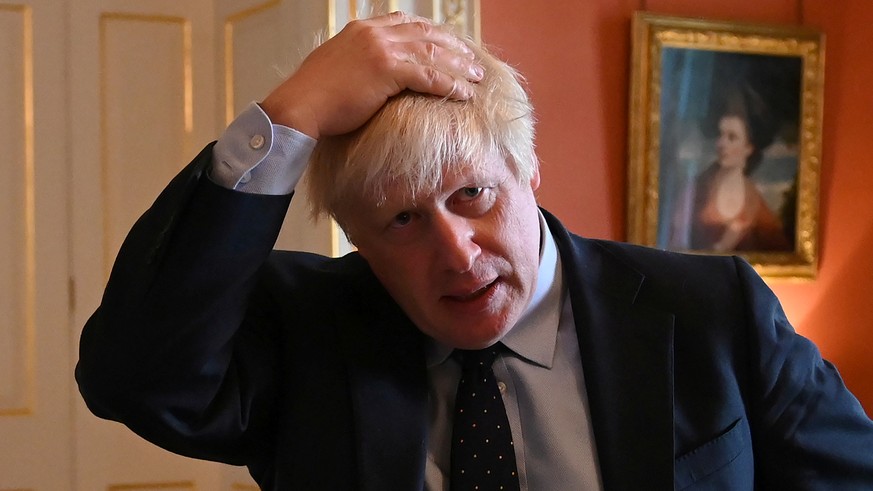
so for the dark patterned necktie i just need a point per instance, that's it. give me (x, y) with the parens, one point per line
(482, 455)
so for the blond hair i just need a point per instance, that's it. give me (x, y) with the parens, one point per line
(415, 138)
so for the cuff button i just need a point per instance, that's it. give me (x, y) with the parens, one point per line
(257, 142)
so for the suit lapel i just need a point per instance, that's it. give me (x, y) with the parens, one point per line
(627, 357)
(389, 393)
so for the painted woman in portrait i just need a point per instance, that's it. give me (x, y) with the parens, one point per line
(725, 211)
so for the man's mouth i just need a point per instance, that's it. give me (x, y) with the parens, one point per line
(473, 295)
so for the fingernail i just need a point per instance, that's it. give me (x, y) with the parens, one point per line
(477, 71)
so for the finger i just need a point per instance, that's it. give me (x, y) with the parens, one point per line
(453, 94)
(425, 32)
(429, 80)
(436, 70)
(392, 19)
(453, 67)
(459, 65)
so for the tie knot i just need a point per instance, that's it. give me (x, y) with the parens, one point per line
(479, 359)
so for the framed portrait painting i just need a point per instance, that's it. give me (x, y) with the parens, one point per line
(725, 140)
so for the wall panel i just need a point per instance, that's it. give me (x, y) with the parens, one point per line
(17, 228)
(34, 339)
(146, 114)
(245, 35)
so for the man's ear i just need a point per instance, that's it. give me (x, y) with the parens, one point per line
(535, 179)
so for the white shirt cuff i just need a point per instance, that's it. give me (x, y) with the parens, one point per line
(259, 157)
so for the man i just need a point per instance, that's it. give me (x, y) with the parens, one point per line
(621, 367)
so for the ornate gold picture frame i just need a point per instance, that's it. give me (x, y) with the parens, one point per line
(725, 141)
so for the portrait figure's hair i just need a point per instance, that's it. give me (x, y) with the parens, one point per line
(415, 138)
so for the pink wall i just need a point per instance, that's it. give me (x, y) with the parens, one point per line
(575, 54)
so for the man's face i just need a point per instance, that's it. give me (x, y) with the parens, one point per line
(461, 262)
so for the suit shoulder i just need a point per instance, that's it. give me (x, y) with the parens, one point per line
(310, 269)
(668, 271)
(644, 257)
(615, 257)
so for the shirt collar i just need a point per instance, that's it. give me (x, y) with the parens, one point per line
(535, 334)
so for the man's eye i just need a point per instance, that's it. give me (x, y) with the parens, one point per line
(402, 219)
(471, 192)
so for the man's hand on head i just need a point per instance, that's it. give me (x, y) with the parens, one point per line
(341, 84)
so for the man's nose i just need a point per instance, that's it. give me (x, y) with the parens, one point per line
(454, 240)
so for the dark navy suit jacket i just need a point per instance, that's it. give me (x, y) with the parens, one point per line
(303, 368)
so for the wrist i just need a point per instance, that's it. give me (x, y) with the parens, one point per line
(295, 117)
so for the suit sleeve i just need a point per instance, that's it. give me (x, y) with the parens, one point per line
(170, 351)
(809, 431)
